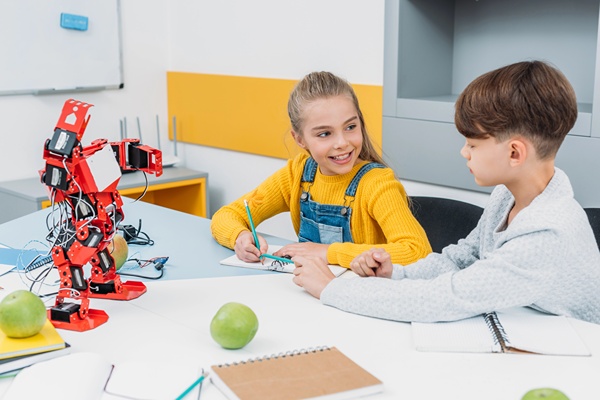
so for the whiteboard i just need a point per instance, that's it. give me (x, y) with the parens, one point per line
(42, 52)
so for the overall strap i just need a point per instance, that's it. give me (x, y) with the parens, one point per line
(351, 190)
(310, 170)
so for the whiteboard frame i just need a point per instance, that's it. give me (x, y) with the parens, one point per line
(38, 56)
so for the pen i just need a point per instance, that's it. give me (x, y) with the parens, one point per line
(192, 386)
(282, 259)
(252, 225)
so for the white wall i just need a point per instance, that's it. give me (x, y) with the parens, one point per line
(262, 38)
(277, 39)
(28, 120)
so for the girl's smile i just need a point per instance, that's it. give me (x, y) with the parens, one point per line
(332, 134)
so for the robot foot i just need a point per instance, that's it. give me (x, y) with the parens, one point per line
(129, 290)
(67, 316)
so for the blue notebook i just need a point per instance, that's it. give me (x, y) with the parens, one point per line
(11, 259)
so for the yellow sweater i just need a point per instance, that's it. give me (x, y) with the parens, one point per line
(380, 217)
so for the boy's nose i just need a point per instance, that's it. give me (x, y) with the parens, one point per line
(464, 151)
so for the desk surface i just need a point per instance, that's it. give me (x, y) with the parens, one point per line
(171, 322)
(184, 238)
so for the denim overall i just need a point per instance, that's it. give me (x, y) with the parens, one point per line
(326, 223)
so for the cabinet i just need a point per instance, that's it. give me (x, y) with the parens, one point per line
(177, 188)
(434, 48)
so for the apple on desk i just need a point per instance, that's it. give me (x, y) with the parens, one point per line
(119, 249)
(22, 314)
(234, 325)
(544, 394)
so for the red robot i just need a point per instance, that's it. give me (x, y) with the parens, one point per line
(86, 211)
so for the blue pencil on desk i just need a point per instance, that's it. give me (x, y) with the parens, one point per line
(192, 386)
(252, 225)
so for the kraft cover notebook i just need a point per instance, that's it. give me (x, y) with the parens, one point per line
(511, 331)
(46, 340)
(304, 374)
(273, 265)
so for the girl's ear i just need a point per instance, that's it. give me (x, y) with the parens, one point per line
(299, 140)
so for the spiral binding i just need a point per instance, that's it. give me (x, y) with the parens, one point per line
(497, 330)
(38, 262)
(291, 353)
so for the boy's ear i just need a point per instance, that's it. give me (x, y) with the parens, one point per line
(518, 152)
(299, 140)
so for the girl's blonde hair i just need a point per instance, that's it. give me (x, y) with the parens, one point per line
(321, 85)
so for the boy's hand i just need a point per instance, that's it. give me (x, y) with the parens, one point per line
(312, 274)
(374, 262)
(304, 249)
(246, 250)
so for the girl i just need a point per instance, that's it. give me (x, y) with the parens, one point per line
(341, 196)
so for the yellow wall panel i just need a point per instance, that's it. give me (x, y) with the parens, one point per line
(246, 114)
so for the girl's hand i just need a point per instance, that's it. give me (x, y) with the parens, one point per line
(304, 249)
(246, 250)
(374, 262)
(312, 274)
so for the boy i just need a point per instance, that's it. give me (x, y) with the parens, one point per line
(533, 245)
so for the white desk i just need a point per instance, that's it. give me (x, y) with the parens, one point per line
(171, 322)
(290, 318)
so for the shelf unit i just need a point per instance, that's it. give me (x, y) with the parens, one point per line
(434, 48)
(177, 188)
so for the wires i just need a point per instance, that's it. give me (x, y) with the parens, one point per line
(40, 278)
(157, 262)
(145, 187)
(27, 262)
(136, 236)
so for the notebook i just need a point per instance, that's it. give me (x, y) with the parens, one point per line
(301, 374)
(16, 363)
(90, 376)
(11, 259)
(47, 339)
(273, 265)
(511, 331)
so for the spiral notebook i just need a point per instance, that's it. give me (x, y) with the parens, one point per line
(303, 374)
(511, 331)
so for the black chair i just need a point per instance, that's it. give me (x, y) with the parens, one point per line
(594, 217)
(445, 221)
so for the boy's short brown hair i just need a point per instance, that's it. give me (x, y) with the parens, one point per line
(530, 99)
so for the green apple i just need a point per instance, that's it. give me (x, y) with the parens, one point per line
(544, 394)
(119, 249)
(234, 325)
(22, 314)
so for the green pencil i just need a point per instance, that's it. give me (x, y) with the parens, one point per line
(252, 225)
(282, 259)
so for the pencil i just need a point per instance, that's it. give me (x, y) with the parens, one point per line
(282, 259)
(192, 386)
(252, 225)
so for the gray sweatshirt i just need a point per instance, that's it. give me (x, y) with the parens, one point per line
(547, 258)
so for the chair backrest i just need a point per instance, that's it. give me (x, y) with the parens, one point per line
(445, 221)
(594, 217)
